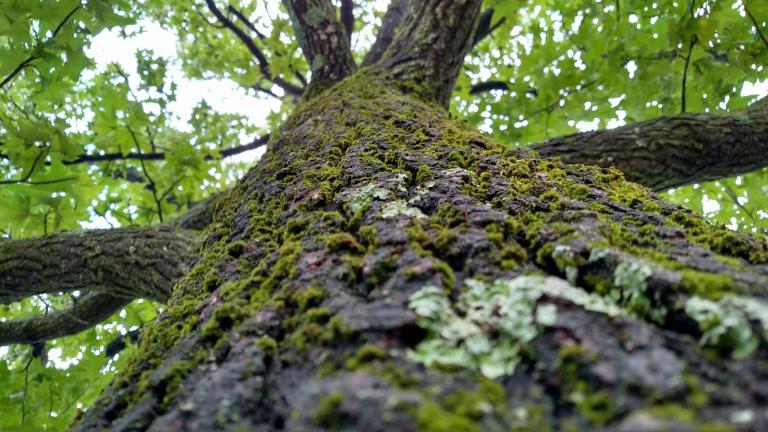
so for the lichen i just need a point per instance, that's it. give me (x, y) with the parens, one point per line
(494, 321)
(727, 323)
(400, 208)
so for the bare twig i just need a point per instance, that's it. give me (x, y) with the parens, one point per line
(255, 50)
(685, 71)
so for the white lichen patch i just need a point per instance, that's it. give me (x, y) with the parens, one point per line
(631, 279)
(399, 207)
(728, 322)
(491, 323)
(421, 191)
(361, 197)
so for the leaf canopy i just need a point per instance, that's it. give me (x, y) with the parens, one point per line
(85, 144)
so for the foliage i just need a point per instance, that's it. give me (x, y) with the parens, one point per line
(571, 65)
(47, 397)
(563, 65)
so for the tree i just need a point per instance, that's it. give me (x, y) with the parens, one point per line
(387, 266)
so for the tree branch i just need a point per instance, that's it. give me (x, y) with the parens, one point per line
(348, 17)
(755, 24)
(685, 72)
(323, 40)
(246, 22)
(673, 151)
(84, 314)
(108, 157)
(261, 59)
(389, 24)
(487, 86)
(484, 26)
(127, 262)
(429, 47)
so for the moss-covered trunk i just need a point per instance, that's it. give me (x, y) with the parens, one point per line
(386, 267)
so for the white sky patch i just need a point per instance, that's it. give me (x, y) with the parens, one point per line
(759, 88)
(222, 95)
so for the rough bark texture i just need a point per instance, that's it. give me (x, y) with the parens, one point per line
(128, 262)
(389, 24)
(429, 46)
(324, 41)
(297, 316)
(673, 151)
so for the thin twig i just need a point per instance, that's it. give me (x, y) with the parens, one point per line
(255, 50)
(685, 70)
(152, 184)
(246, 22)
(109, 157)
(755, 24)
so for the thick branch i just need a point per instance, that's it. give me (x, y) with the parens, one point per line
(429, 47)
(323, 40)
(389, 24)
(84, 314)
(673, 151)
(128, 262)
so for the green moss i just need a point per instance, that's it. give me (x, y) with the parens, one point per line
(708, 285)
(235, 249)
(343, 241)
(368, 234)
(550, 196)
(224, 317)
(424, 173)
(448, 276)
(268, 345)
(444, 239)
(212, 282)
(431, 417)
(594, 405)
(329, 411)
(578, 191)
(309, 297)
(364, 356)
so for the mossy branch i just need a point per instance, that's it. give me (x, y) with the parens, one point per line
(673, 151)
(127, 262)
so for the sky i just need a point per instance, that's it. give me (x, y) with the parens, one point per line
(226, 96)
(223, 95)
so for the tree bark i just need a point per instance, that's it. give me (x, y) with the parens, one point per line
(429, 46)
(127, 262)
(558, 297)
(297, 316)
(673, 151)
(324, 41)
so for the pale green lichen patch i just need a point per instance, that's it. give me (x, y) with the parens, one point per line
(492, 323)
(726, 323)
(399, 207)
(631, 279)
(360, 198)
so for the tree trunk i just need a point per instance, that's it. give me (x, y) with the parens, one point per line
(319, 298)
